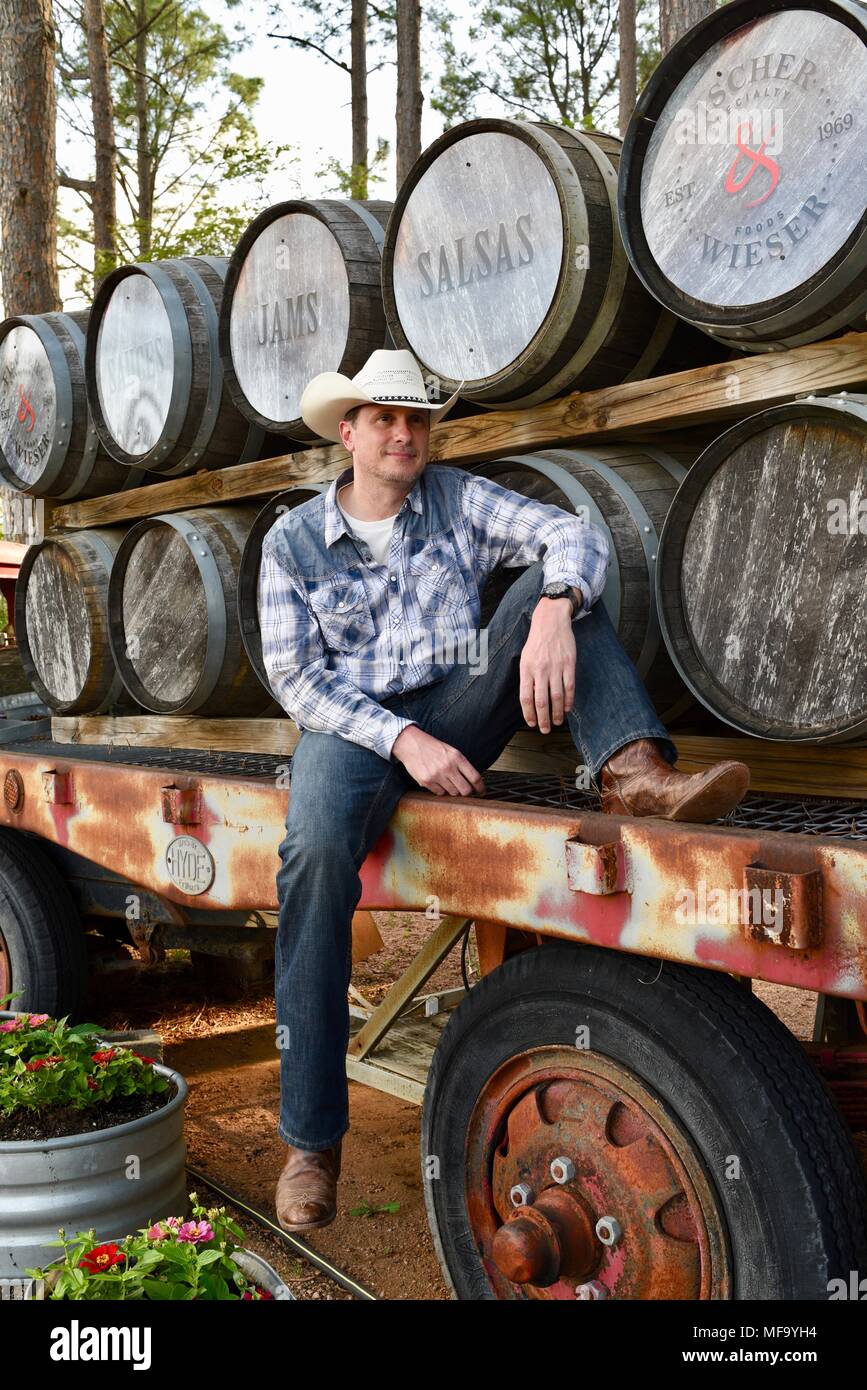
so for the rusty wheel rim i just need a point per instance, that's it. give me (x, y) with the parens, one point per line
(632, 1160)
(5, 969)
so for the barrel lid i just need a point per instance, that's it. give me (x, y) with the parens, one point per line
(743, 179)
(290, 312)
(478, 244)
(35, 404)
(762, 571)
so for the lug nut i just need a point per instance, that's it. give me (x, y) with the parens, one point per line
(592, 1292)
(521, 1195)
(562, 1170)
(609, 1230)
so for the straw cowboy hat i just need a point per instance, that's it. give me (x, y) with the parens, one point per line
(392, 378)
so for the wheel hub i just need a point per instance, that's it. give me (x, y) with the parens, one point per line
(635, 1175)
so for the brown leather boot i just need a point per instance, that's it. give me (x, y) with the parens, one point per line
(637, 781)
(307, 1188)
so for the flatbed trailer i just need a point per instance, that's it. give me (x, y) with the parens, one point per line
(610, 1111)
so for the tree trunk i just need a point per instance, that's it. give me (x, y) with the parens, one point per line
(676, 16)
(358, 34)
(28, 166)
(143, 149)
(104, 192)
(627, 63)
(409, 93)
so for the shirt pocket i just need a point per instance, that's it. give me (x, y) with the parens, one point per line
(342, 610)
(437, 578)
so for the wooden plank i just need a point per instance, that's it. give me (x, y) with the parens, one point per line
(838, 770)
(178, 731)
(721, 392)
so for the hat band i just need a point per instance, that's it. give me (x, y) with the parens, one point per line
(421, 400)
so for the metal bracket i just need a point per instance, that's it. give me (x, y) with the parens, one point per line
(785, 907)
(58, 787)
(182, 805)
(598, 869)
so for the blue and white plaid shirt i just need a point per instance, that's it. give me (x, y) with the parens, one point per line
(341, 632)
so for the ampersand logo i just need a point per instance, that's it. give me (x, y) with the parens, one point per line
(25, 411)
(758, 160)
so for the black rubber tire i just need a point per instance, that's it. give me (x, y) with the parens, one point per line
(42, 930)
(723, 1065)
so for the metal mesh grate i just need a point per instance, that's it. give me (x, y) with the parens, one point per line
(845, 820)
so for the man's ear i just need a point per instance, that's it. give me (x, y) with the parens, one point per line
(346, 433)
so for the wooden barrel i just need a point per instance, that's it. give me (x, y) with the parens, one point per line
(154, 380)
(173, 620)
(302, 296)
(503, 266)
(251, 560)
(743, 182)
(626, 490)
(762, 573)
(48, 446)
(61, 621)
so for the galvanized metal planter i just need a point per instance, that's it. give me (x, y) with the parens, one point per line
(114, 1180)
(264, 1274)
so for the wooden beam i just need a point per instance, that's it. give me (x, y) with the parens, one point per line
(719, 393)
(837, 770)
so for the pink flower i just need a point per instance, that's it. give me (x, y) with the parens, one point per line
(156, 1233)
(174, 1223)
(36, 1019)
(11, 1025)
(196, 1232)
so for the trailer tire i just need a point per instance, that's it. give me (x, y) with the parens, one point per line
(772, 1200)
(41, 933)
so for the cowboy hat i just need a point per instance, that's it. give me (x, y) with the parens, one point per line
(387, 377)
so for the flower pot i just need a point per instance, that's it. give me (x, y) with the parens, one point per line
(114, 1180)
(253, 1265)
(262, 1273)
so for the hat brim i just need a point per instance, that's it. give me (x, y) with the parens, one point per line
(328, 397)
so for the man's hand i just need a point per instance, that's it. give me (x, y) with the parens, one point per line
(548, 665)
(436, 765)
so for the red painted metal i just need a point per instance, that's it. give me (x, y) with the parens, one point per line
(633, 885)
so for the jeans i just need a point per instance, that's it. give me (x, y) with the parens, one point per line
(342, 798)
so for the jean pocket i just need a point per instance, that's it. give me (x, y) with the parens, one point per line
(342, 610)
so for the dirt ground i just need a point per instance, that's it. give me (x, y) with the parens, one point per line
(225, 1050)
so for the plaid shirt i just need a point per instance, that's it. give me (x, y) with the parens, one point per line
(341, 632)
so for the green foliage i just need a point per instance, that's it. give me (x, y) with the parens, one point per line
(354, 181)
(171, 1260)
(45, 1063)
(182, 155)
(550, 60)
(365, 1208)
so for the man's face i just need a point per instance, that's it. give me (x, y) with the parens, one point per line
(388, 442)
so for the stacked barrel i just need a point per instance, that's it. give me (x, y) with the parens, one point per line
(180, 365)
(523, 261)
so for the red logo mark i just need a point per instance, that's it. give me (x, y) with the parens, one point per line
(25, 411)
(759, 160)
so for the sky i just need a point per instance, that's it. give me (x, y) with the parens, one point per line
(304, 103)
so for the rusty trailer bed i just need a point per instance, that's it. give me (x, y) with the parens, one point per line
(535, 854)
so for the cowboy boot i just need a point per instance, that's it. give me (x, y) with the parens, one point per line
(307, 1188)
(637, 781)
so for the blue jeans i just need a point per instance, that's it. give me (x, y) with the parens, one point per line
(342, 798)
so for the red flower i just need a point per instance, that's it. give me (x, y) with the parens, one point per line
(92, 1084)
(143, 1058)
(39, 1062)
(246, 1296)
(100, 1258)
(107, 1055)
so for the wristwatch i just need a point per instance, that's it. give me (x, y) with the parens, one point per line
(561, 590)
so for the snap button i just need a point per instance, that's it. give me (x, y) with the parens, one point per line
(341, 604)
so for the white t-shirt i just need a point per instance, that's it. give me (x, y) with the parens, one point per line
(375, 534)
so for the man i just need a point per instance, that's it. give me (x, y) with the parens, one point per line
(365, 595)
